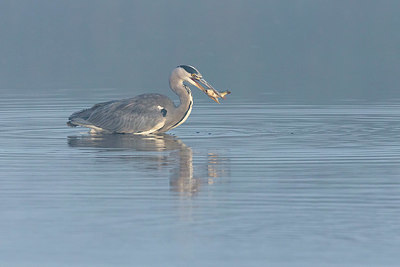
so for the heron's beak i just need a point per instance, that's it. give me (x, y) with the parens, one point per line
(210, 91)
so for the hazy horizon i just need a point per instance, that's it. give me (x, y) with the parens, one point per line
(318, 50)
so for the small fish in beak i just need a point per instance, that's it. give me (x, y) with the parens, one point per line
(210, 91)
(214, 94)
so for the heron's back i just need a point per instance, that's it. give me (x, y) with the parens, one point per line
(133, 115)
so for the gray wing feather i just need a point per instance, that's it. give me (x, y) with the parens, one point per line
(134, 115)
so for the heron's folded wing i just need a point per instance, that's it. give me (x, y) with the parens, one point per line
(127, 117)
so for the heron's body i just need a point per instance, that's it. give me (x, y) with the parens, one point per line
(143, 114)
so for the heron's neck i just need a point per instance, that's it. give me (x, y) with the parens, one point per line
(184, 93)
(186, 101)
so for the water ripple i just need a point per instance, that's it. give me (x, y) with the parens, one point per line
(303, 179)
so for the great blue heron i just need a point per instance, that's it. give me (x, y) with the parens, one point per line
(147, 113)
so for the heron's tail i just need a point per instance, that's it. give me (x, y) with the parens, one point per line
(71, 124)
(79, 118)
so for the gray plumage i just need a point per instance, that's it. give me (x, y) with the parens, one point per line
(143, 114)
(133, 115)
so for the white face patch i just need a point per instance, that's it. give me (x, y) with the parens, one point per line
(160, 107)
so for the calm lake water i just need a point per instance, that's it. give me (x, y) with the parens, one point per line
(244, 183)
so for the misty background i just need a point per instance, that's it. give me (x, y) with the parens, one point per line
(315, 50)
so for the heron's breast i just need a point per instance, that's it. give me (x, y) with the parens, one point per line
(186, 115)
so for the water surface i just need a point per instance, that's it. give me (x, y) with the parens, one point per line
(244, 183)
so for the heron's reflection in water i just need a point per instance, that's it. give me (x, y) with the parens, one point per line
(173, 154)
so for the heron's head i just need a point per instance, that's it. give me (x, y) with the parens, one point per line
(191, 75)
